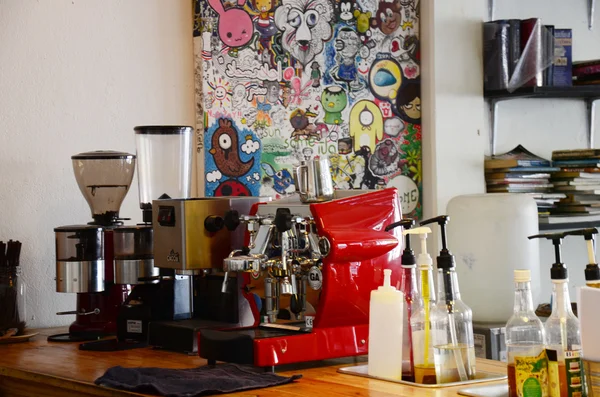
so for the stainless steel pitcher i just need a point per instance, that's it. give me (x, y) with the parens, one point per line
(313, 180)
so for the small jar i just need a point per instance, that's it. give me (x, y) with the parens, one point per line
(12, 299)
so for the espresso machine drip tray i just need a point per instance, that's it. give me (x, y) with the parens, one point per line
(181, 335)
(237, 346)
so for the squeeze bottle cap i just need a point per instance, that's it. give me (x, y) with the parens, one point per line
(423, 259)
(592, 271)
(445, 259)
(522, 276)
(387, 280)
(558, 270)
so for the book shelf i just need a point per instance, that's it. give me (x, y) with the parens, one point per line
(590, 11)
(589, 93)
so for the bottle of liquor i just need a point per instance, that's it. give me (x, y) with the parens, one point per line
(525, 339)
(563, 336)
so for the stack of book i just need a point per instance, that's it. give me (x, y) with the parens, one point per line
(586, 72)
(520, 171)
(526, 53)
(579, 180)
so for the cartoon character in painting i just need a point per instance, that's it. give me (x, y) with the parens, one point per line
(385, 159)
(283, 182)
(334, 100)
(272, 91)
(234, 25)
(306, 26)
(369, 180)
(225, 151)
(315, 74)
(347, 45)
(387, 17)
(408, 104)
(345, 11)
(299, 119)
(264, 23)
(366, 124)
(363, 22)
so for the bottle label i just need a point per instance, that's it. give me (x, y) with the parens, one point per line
(531, 375)
(574, 373)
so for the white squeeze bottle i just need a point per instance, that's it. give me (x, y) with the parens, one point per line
(386, 321)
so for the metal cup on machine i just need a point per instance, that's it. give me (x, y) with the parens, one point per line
(313, 180)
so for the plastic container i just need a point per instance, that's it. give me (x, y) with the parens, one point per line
(386, 322)
(104, 178)
(488, 235)
(164, 162)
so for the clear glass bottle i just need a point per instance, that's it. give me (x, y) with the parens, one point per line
(423, 304)
(420, 319)
(525, 335)
(408, 286)
(563, 336)
(452, 326)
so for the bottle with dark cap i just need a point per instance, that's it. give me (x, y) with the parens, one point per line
(592, 270)
(451, 320)
(565, 374)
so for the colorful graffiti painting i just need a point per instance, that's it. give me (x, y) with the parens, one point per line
(280, 81)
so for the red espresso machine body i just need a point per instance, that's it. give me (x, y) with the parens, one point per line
(354, 249)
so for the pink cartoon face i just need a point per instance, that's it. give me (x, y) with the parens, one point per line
(235, 25)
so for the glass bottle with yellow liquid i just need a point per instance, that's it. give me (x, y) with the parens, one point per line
(525, 342)
(451, 320)
(422, 305)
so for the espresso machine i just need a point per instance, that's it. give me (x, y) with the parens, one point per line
(333, 242)
(84, 253)
(192, 241)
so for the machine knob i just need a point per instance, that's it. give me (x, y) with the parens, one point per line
(213, 223)
(232, 220)
(324, 246)
(283, 219)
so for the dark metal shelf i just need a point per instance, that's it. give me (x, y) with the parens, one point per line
(589, 93)
(576, 92)
(568, 225)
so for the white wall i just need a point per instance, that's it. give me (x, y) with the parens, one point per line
(75, 76)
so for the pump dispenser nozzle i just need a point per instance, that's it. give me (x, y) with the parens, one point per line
(445, 260)
(558, 270)
(424, 259)
(408, 255)
(592, 271)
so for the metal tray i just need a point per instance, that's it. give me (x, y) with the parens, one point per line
(480, 377)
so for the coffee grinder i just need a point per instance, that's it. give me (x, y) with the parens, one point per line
(84, 253)
(164, 161)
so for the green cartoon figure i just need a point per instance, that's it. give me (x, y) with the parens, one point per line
(334, 100)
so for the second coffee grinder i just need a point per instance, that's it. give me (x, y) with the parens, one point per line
(84, 253)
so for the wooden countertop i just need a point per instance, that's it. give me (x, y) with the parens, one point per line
(38, 367)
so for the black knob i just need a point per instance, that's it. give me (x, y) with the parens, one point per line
(213, 223)
(232, 220)
(283, 219)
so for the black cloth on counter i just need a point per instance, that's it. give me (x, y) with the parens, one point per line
(201, 381)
